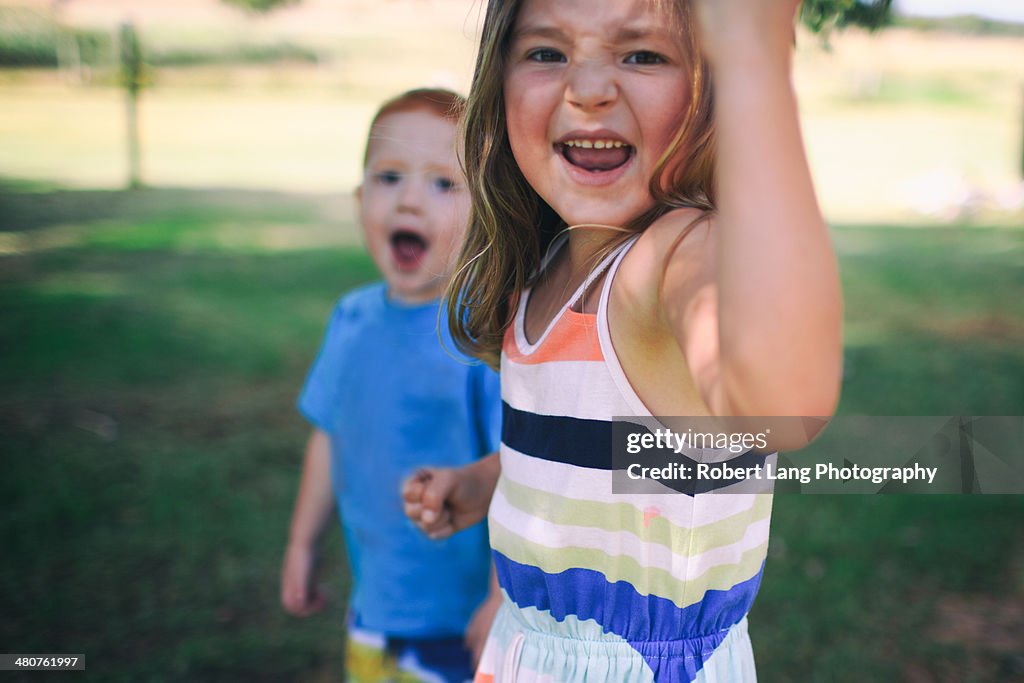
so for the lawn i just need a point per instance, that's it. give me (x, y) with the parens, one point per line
(154, 342)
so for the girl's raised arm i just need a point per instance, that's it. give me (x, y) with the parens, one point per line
(779, 307)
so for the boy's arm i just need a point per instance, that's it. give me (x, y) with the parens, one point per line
(480, 624)
(313, 508)
(775, 305)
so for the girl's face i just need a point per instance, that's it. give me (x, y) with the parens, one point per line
(595, 90)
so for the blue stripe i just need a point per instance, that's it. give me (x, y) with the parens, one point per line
(592, 444)
(673, 641)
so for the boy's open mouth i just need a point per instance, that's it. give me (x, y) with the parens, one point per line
(595, 156)
(408, 249)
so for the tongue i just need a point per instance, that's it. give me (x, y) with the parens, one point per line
(597, 159)
(408, 250)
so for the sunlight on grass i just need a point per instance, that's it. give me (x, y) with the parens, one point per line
(92, 285)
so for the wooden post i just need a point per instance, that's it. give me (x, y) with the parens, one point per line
(131, 80)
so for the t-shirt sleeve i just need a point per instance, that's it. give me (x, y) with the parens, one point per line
(319, 397)
(487, 407)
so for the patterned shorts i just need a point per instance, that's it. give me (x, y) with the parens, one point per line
(372, 657)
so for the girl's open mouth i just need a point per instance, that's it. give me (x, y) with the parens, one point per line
(408, 249)
(596, 156)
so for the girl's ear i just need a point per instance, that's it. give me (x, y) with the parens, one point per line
(358, 192)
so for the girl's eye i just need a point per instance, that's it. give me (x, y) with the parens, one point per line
(387, 177)
(445, 184)
(645, 58)
(545, 54)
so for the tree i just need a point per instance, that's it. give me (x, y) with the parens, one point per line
(822, 16)
(132, 80)
(261, 6)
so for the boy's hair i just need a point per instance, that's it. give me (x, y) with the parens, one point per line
(510, 225)
(444, 103)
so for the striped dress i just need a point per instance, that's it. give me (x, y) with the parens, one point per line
(603, 587)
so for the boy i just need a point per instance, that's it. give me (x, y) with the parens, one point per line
(385, 396)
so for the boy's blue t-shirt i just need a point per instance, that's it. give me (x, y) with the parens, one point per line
(393, 400)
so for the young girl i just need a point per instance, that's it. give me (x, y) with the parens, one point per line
(696, 278)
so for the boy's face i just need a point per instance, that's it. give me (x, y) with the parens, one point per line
(413, 203)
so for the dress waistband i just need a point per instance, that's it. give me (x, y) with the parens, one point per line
(612, 645)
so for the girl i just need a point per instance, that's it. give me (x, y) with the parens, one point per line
(696, 278)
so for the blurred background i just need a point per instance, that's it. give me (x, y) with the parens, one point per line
(159, 309)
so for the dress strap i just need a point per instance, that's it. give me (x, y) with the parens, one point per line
(611, 358)
(611, 259)
(614, 259)
(519, 322)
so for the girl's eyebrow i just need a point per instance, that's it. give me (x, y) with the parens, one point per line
(624, 34)
(549, 32)
(628, 34)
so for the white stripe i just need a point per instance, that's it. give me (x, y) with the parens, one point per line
(624, 543)
(575, 388)
(581, 483)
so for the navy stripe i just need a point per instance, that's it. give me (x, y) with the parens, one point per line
(592, 444)
(570, 440)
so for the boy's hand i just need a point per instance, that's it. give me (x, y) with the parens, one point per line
(298, 594)
(443, 500)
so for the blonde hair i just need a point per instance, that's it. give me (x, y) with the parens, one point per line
(510, 225)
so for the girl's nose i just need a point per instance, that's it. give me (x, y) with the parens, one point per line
(590, 86)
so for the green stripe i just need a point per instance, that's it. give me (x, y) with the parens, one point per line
(616, 517)
(646, 580)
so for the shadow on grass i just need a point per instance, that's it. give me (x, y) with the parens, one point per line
(28, 206)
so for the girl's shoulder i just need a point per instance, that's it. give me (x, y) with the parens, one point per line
(676, 250)
(662, 282)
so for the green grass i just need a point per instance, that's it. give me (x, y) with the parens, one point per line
(934, 322)
(153, 346)
(852, 583)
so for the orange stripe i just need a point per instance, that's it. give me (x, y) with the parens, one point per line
(481, 677)
(573, 337)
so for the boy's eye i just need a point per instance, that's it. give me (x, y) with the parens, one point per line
(545, 54)
(444, 184)
(387, 177)
(645, 58)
